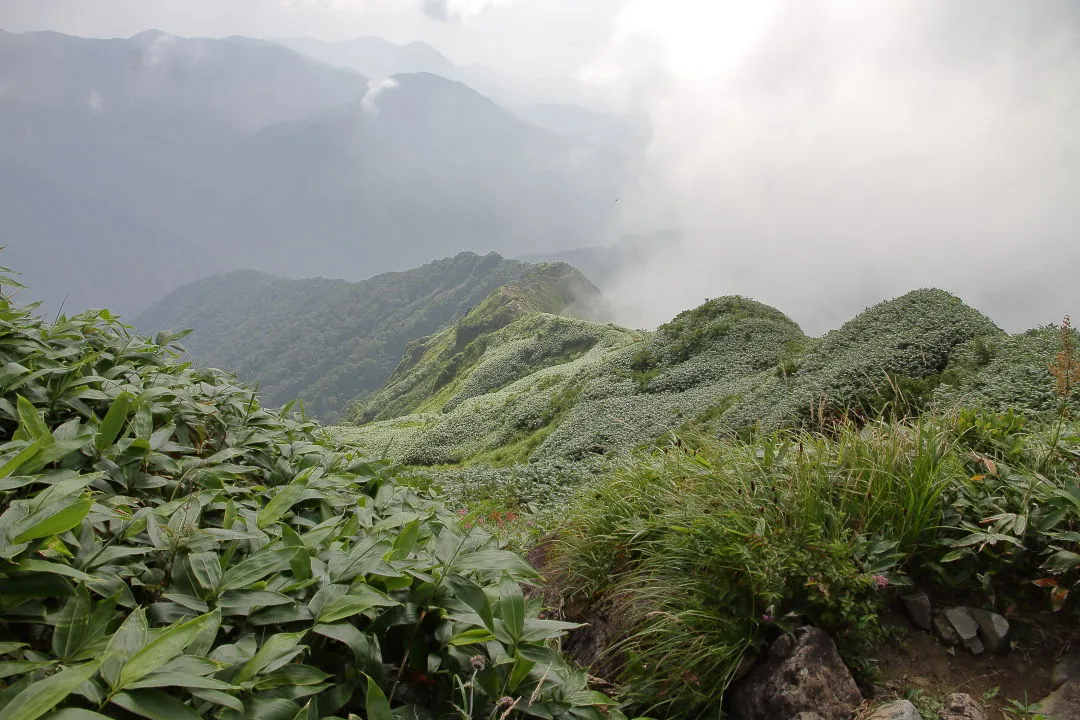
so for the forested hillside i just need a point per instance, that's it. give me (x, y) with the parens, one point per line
(328, 342)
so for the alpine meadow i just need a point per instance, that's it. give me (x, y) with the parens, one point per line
(506, 359)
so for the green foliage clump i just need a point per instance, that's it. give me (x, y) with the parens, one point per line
(170, 548)
(704, 550)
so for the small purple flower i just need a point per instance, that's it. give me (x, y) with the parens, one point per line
(478, 662)
(506, 701)
(882, 581)
(766, 618)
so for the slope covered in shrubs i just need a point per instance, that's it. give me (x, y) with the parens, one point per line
(171, 548)
(547, 388)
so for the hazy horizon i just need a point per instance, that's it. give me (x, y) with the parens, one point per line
(817, 156)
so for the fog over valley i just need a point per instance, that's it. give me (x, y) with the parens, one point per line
(816, 156)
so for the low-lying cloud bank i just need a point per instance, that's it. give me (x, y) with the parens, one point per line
(820, 155)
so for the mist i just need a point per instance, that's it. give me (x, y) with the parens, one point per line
(823, 155)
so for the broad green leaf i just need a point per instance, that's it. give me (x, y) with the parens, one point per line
(512, 606)
(365, 647)
(113, 422)
(19, 667)
(166, 646)
(76, 714)
(495, 561)
(281, 503)
(276, 650)
(243, 602)
(206, 568)
(21, 457)
(53, 520)
(31, 565)
(30, 420)
(256, 567)
(1062, 561)
(472, 636)
(42, 696)
(375, 702)
(71, 625)
(358, 599)
(219, 698)
(179, 679)
(155, 705)
(472, 595)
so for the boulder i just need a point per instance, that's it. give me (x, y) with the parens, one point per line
(803, 674)
(966, 628)
(961, 706)
(1065, 669)
(945, 631)
(919, 610)
(1063, 703)
(897, 710)
(993, 630)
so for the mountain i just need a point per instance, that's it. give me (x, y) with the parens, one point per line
(379, 58)
(595, 127)
(549, 388)
(605, 264)
(112, 165)
(323, 341)
(422, 166)
(204, 156)
(374, 57)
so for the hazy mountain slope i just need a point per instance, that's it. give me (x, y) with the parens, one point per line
(546, 387)
(374, 57)
(213, 155)
(323, 341)
(422, 167)
(595, 127)
(111, 165)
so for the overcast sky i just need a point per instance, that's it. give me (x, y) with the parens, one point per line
(818, 154)
(536, 38)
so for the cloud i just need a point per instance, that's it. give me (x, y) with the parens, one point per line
(821, 155)
(96, 102)
(375, 89)
(455, 10)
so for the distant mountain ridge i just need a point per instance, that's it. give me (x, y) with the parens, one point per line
(128, 156)
(325, 342)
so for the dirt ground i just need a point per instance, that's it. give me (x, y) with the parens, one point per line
(925, 670)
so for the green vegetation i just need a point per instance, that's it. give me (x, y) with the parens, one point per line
(171, 549)
(702, 553)
(552, 389)
(325, 342)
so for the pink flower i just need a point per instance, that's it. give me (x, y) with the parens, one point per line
(766, 618)
(882, 581)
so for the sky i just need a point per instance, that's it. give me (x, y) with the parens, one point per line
(818, 155)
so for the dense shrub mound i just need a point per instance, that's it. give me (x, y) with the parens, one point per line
(171, 549)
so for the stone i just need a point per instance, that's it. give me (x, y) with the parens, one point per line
(1065, 669)
(993, 630)
(803, 674)
(897, 710)
(807, 716)
(1063, 703)
(919, 610)
(945, 631)
(966, 628)
(961, 706)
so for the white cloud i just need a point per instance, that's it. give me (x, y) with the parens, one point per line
(375, 89)
(96, 102)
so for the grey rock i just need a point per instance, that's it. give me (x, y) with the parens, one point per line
(897, 710)
(1063, 703)
(1065, 669)
(993, 630)
(945, 631)
(919, 610)
(961, 706)
(966, 627)
(804, 674)
(807, 716)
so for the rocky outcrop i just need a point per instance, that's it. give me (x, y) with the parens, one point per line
(1065, 669)
(977, 630)
(1063, 703)
(919, 610)
(803, 674)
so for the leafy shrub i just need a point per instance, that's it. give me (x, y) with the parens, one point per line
(172, 549)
